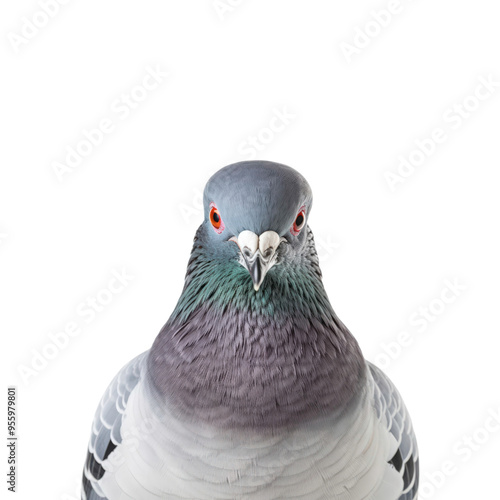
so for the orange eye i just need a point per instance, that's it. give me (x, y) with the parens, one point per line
(299, 222)
(216, 219)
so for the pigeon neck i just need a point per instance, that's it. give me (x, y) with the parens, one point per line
(239, 358)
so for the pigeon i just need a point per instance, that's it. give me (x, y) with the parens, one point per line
(253, 389)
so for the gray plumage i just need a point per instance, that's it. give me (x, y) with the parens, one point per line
(253, 388)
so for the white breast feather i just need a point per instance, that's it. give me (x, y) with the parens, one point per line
(342, 459)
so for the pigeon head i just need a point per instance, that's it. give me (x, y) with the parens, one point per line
(256, 215)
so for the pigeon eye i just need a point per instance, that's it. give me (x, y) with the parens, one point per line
(299, 222)
(216, 219)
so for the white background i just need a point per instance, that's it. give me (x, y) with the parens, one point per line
(133, 201)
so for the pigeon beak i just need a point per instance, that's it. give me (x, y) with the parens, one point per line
(258, 253)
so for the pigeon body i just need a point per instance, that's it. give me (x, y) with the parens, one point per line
(253, 389)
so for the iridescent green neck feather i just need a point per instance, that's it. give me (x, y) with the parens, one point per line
(235, 357)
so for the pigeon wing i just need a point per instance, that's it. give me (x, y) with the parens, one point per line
(106, 427)
(389, 403)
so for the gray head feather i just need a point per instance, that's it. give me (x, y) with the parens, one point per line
(257, 196)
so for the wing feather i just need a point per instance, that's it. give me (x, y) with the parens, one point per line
(106, 427)
(389, 403)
